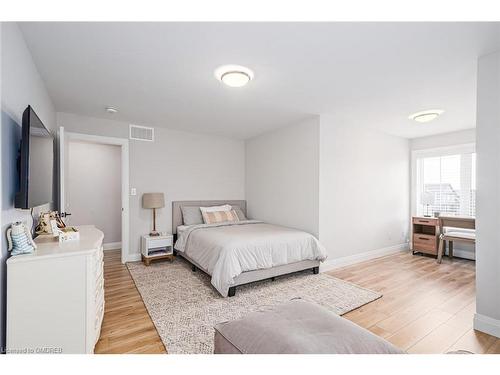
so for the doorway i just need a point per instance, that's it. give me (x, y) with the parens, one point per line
(94, 184)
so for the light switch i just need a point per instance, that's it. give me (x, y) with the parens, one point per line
(133, 191)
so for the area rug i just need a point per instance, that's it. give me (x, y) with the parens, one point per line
(185, 307)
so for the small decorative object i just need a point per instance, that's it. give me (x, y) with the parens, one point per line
(436, 213)
(54, 228)
(68, 234)
(154, 201)
(44, 222)
(427, 199)
(19, 239)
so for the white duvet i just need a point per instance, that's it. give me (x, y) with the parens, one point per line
(225, 250)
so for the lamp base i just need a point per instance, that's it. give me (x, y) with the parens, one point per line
(154, 233)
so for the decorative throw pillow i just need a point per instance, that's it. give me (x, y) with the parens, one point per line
(219, 216)
(191, 215)
(224, 207)
(240, 213)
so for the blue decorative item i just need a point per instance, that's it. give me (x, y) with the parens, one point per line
(19, 238)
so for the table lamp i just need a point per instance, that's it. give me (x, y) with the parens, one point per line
(154, 201)
(427, 198)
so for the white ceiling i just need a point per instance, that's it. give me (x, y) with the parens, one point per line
(161, 74)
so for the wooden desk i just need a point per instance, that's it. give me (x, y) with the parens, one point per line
(425, 235)
(465, 222)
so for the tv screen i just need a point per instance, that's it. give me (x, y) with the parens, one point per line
(36, 163)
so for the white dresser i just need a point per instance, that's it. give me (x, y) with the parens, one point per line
(55, 297)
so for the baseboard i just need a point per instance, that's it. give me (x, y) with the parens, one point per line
(487, 325)
(464, 254)
(133, 258)
(112, 245)
(362, 257)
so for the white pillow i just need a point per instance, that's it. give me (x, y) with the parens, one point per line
(225, 207)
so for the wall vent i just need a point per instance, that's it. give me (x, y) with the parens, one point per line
(142, 133)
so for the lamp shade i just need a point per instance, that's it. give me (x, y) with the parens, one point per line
(153, 200)
(427, 198)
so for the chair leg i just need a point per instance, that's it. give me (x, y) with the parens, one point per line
(450, 249)
(440, 250)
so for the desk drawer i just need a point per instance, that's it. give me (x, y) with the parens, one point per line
(425, 221)
(425, 243)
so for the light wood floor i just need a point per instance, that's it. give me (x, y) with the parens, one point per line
(127, 327)
(426, 307)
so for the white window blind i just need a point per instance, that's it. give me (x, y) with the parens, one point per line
(446, 181)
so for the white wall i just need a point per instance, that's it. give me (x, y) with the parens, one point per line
(364, 191)
(21, 85)
(93, 190)
(21, 82)
(182, 165)
(282, 176)
(443, 140)
(487, 318)
(346, 184)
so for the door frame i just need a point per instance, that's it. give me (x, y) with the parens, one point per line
(123, 143)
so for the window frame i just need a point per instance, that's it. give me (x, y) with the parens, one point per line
(463, 148)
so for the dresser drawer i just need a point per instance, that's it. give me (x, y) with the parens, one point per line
(99, 289)
(99, 257)
(425, 221)
(98, 320)
(98, 271)
(98, 264)
(425, 243)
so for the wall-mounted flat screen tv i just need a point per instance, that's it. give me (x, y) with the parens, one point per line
(35, 164)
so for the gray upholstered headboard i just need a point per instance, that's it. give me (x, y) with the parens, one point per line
(177, 213)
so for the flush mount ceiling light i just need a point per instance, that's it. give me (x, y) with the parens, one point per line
(233, 75)
(111, 110)
(426, 116)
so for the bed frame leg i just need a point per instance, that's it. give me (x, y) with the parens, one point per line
(232, 291)
(174, 252)
(315, 270)
(193, 268)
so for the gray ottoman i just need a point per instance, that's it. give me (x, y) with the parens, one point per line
(297, 327)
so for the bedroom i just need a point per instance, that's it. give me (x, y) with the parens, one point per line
(314, 180)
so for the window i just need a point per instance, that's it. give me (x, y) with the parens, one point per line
(445, 181)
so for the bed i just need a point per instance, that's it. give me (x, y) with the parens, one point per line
(245, 251)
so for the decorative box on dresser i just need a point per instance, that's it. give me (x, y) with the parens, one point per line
(425, 235)
(55, 296)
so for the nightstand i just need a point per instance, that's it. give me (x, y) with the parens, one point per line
(157, 247)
